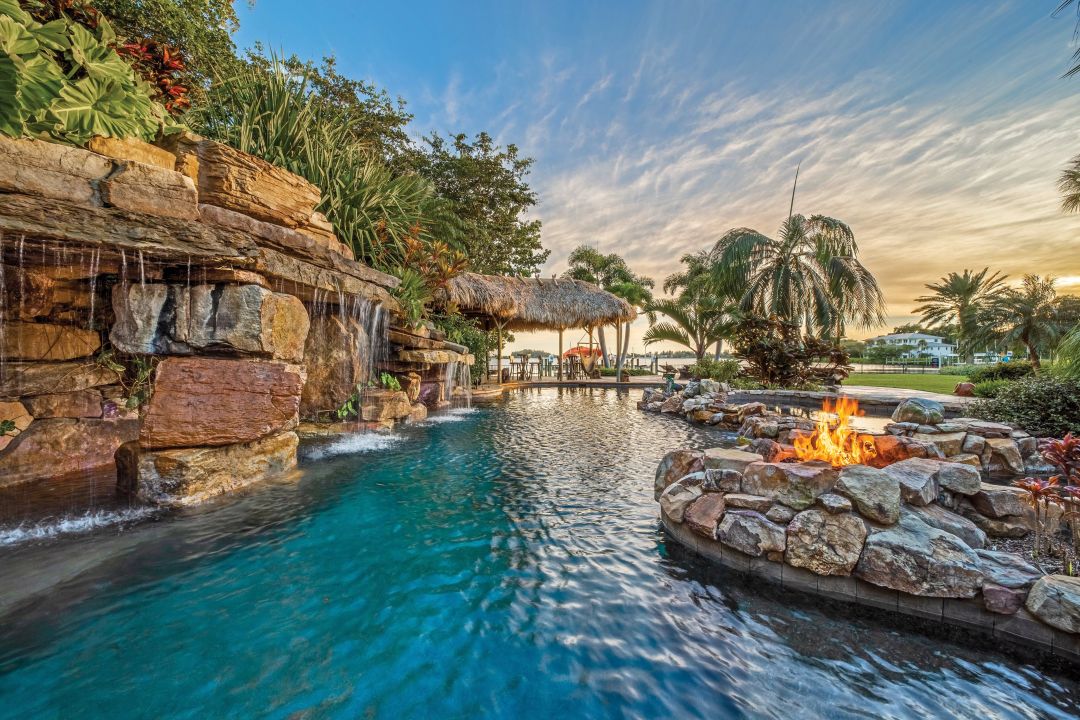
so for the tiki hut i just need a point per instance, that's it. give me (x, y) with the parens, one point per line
(523, 303)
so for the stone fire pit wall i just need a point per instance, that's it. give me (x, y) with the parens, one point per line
(208, 267)
(890, 538)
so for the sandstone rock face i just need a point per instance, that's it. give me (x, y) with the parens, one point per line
(410, 383)
(152, 190)
(35, 167)
(916, 478)
(940, 518)
(237, 181)
(384, 405)
(919, 410)
(1007, 569)
(729, 459)
(796, 485)
(751, 533)
(336, 363)
(915, 558)
(82, 403)
(704, 513)
(876, 493)
(26, 294)
(418, 413)
(676, 498)
(947, 443)
(18, 379)
(675, 465)
(191, 475)
(824, 543)
(1055, 599)
(216, 401)
(176, 319)
(959, 478)
(61, 447)
(997, 501)
(17, 413)
(45, 341)
(132, 149)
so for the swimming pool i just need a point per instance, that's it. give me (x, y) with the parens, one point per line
(499, 562)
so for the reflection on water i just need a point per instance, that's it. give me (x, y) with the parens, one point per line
(508, 564)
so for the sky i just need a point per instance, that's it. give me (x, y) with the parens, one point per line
(935, 129)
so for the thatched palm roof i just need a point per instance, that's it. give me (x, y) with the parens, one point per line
(535, 303)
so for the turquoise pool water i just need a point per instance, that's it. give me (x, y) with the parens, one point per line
(502, 563)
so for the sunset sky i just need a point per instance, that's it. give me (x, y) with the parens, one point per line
(937, 130)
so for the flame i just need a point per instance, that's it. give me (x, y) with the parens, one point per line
(835, 441)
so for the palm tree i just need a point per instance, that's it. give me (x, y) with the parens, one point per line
(810, 274)
(697, 316)
(962, 300)
(637, 292)
(1069, 184)
(1076, 32)
(1029, 316)
(606, 271)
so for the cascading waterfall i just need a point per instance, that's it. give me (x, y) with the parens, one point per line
(458, 378)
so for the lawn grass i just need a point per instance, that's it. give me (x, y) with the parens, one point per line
(930, 383)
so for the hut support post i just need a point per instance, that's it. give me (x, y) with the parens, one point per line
(618, 351)
(498, 360)
(560, 354)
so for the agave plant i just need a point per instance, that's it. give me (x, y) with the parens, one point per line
(1040, 494)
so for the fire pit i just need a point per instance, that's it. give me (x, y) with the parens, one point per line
(833, 439)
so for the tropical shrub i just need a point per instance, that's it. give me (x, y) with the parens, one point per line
(413, 295)
(963, 369)
(722, 370)
(1001, 371)
(63, 81)
(389, 381)
(990, 388)
(777, 354)
(1068, 359)
(633, 372)
(1044, 406)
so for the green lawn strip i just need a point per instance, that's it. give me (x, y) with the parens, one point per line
(910, 381)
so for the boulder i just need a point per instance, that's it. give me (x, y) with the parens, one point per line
(834, 503)
(672, 405)
(418, 413)
(1055, 599)
(959, 478)
(187, 476)
(702, 415)
(964, 389)
(780, 514)
(1002, 600)
(915, 558)
(751, 533)
(384, 405)
(81, 403)
(891, 449)
(942, 519)
(46, 341)
(61, 447)
(675, 465)
(973, 444)
(772, 451)
(1007, 569)
(876, 493)
(677, 498)
(336, 359)
(203, 401)
(410, 383)
(919, 410)
(824, 543)
(743, 501)
(1001, 456)
(997, 501)
(948, 444)
(142, 188)
(917, 480)
(986, 428)
(703, 515)
(729, 481)
(20, 379)
(968, 459)
(729, 459)
(796, 485)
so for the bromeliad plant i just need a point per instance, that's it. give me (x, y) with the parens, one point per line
(62, 80)
(1041, 493)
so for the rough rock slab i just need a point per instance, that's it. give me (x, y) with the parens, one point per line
(27, 293)
(1008, 569)
(729, 459)
(703, 515)
(918, 559)
(188, 476)
(50, 170)
(751, 533)
(796, 485)
(674, 466)
(34, 378)
(62, 447)
(142, 188)
(47, 341)
(936, 516)
(217, 401)
(78, 404)
(917, 480)
(876, 493)
(676, 499)
(959, 478)
(383, 405)
(1001, 456)
(1003, 600)
(834, 503)
(998, 501)
(743, 501)
(824, 543)
(1055, 599)
(948, 443)
(132, 149)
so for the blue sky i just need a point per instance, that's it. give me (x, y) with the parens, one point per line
(935, 129)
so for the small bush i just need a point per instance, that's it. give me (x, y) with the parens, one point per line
(1001, 371)
(633, 372)
(1045, 406)
(964, 370)
(722, 370)
(990, 388)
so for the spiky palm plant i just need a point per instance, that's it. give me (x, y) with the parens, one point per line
(962, 299)
(695, 318)
(1029, 316)
(809, 274)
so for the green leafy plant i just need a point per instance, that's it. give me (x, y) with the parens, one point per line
(777, 354)
(1001, 371)
(990, 388)
(722, 370)
(7, 426)
(389, 382)
(350, 408)
(467, 331)
(1044, 406)
(413, 295)
(64, 81)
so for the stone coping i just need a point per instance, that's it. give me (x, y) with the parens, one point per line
(875, 403)
(1021, 629)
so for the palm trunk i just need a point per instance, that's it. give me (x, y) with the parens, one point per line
(603, 344)
(619, 355)
(719, 349)
(1033, 356)
(626, 340)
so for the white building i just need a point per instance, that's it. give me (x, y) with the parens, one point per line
(921, 345)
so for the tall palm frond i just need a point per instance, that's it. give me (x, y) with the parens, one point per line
(962, 299)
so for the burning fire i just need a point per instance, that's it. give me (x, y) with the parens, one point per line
(834, 440)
